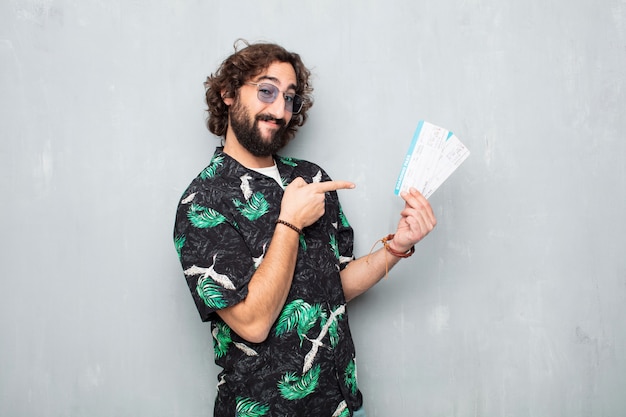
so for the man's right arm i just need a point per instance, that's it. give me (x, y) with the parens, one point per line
(253, 317)
(302, 205)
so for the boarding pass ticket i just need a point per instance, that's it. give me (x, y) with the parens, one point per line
(433, 156)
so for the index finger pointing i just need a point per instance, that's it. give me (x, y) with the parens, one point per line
(334, 185)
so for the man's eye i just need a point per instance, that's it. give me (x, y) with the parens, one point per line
(289, 99)
(266, 92)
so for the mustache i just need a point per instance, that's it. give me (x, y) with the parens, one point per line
(269, 118)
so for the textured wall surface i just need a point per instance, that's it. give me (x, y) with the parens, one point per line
(514, 306)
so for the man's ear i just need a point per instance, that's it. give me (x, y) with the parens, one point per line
(226, 98)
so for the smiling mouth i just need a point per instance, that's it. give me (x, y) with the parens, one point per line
(270, 119)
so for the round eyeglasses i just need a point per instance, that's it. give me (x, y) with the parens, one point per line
(267, 93)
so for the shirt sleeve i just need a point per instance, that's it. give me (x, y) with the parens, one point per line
(345, 233)
(217, 263)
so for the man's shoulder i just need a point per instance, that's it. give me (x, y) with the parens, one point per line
(300, 167)
(211, 186)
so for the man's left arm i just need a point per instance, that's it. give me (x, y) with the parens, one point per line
(417, 220)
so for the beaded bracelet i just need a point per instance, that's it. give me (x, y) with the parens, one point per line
(291, 226)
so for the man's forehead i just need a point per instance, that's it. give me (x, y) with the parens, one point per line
(279, 73)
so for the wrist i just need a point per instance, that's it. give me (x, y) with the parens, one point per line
(391, 248)
(290, 225)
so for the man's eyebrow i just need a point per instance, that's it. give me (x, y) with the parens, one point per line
(276, 80)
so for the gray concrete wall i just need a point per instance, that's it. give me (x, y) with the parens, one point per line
(514, 306)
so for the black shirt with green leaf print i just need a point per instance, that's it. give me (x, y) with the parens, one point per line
(224, 224)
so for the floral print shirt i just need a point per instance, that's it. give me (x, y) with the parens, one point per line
(224, 224)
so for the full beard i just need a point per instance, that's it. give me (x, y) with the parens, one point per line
(249, 135)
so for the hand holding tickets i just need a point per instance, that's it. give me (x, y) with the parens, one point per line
(433, 156)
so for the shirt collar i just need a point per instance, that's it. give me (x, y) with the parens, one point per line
(285, 165)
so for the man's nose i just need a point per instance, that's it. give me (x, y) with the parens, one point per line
(277, 109)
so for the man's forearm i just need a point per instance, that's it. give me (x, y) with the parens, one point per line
(364, 272)
(253, 317)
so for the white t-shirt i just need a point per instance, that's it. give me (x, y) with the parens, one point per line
(271, 172)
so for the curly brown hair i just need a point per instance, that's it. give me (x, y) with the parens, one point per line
(242, 66)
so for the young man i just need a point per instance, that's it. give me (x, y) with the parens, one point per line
(267, 251)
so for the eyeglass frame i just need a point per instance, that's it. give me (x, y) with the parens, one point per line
(275, 90)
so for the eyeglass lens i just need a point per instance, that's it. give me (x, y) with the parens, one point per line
(267, 93)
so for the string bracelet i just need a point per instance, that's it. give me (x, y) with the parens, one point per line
(291, 226)
(395, 253)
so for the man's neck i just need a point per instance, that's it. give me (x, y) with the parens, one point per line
(240, 154)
